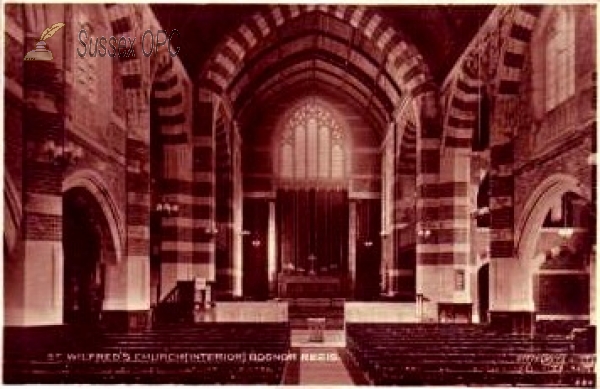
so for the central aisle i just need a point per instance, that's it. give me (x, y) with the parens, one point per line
(322, 366)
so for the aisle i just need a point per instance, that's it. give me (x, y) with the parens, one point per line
(322, 366)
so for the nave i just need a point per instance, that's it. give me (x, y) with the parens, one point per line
(398, 187)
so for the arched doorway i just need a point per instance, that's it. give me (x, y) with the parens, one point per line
(483, 292)
(85, 242)
(555, 239)
(561, 282)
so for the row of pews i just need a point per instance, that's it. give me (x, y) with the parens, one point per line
(466, 354)
(203, 353)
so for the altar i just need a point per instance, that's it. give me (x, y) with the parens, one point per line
(309, 286)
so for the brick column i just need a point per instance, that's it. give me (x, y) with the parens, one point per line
(237, 212)
(127, 294)
(433, 266)
(402, 273)
(352, 241)
(34, 276)
(224, 210)
(37, 297)
(455, 220)
(511, 302)
(203, 187)
(174, 180)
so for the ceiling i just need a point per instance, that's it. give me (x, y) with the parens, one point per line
(318, 51)
(440, 32)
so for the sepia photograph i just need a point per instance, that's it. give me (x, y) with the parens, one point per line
(300, 194)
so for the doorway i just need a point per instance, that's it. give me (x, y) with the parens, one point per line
(483, 290)
(84, 271)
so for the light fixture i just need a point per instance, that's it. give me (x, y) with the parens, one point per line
(211, 230)
(63, 155)
(426, 233)
(165, 208)
(480, 212)
(565, 232)
(368, 243)
(256, 242)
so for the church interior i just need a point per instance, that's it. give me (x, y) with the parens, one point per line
(300, 194)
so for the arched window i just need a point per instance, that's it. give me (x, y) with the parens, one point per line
(559, 58)
(312, 147)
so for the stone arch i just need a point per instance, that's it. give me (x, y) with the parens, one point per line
(480, 69)
(406, 64)
(95, 185)
(139, 76)
(536, 208)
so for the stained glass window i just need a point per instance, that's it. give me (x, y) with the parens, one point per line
(312, 146)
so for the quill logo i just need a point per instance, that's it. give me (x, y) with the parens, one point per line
(41, 53)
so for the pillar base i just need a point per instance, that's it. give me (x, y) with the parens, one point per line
(513, 322)
(128, 321)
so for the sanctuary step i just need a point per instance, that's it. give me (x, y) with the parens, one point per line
(300, 310)
(298, 286)
(207, 353)
(465, 354)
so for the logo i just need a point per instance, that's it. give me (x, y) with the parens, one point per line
(124, 47)
(41, 53)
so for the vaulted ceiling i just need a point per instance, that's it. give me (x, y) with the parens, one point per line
(320, 52)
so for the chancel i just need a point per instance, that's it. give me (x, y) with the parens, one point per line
(302, 194)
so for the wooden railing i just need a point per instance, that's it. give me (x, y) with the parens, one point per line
(177, 306)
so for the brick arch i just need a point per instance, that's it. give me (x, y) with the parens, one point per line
(402, 60)
(95, 185)
(536, 209)
(480, 69)
(506, 120)
(142, 76)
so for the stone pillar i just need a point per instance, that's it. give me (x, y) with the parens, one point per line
(224, 208)
(404, 237)
(174, 183)
(203, 187)
(455, 223)
(35, 293)
(511, 300)
(34, 279)
(127, 295)
(237, 214)
(433, 266)
(352, 236)
(272, 250)
(127, 292)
